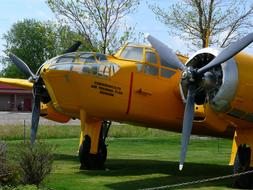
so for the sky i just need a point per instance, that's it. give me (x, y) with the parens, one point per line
(143, 19)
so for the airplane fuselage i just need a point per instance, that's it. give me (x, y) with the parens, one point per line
(137, 92)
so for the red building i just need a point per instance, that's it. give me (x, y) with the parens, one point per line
(15, 99)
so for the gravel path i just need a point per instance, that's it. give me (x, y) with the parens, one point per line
(17, 118)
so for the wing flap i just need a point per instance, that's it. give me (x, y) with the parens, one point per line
(23, 83)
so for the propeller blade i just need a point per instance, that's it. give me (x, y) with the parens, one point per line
(228, 52)
(74, 47)
(35, 115)
(187, 124)
(165, 53)
(21, 65)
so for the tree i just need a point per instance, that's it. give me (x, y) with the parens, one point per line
(31, 41)
(99, 21)
(205, 22)
(35, 42)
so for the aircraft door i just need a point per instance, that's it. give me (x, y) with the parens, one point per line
(153, 91)
(144, 88)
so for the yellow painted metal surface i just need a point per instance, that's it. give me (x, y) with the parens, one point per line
(90, 127)
(48, 112)
(242, 136)
(17, 82)
(244, 99)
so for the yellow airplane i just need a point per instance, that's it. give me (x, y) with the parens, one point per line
(206, 94)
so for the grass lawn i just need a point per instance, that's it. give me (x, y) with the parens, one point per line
(139, 162)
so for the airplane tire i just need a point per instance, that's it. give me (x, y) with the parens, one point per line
(92, 161)
(242, 164)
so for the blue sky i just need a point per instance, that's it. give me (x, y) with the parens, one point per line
(13, 10)
(144, 20)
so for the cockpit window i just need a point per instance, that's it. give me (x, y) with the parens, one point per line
(151, 57)
(103, 70)
(148, 69)
(65, 59)
(132, 53)
(101, 57)
(87, 63)
(87, 58)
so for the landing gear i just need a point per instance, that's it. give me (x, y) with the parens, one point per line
(94, 161)
(242, 164)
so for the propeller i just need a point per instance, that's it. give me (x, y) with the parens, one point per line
(229, 52)
(194, 80)
(165, 52)
(187, 124)
(36, 88)
(21, 65)
(35, 112)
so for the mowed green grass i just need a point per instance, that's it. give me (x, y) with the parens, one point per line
(137, 158)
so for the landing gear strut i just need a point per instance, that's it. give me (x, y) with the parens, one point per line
(94, 161)
(242, 164)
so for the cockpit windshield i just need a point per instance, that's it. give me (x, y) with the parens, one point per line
(132, 53)
(101, 57)
(85, 63)
(103, 70)
(87, 58)
(69, 57)
(65, 59)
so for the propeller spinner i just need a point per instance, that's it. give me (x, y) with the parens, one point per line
(194, 78)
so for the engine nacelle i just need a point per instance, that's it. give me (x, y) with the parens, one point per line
(224, 89)
(48, 112)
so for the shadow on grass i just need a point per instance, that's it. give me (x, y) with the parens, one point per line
(167, 181)
(66, 157)
(167, 169)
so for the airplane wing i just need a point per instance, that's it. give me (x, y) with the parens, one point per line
(23, 83)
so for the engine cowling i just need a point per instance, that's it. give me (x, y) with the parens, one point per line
(220, 83)
(48, 112)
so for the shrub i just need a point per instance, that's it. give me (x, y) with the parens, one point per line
(35, 162)
(5, 170)
(20, 187)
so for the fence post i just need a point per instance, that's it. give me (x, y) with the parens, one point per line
(24, 131)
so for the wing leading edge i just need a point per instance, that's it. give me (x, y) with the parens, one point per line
(23, 83)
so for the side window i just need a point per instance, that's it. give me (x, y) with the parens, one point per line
(77, 68)
(150, 66)
(167, 73)
(104, 70)
(151, 57)
(139, 67)
(151, 70)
